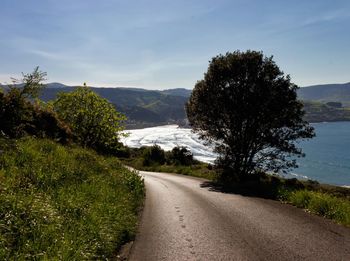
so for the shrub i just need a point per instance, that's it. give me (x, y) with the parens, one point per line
(294, 183)
(300, 198)
(153, 155)
(20, 116)
(94, 121)
(180, 156)
(46, 124)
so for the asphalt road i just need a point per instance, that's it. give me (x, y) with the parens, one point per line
(183, 220)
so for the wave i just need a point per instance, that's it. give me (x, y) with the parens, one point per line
(295, 175)
(327, 158)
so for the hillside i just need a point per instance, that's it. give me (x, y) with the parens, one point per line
(142, 107)
(64, 202)
(326, 102)
(178, 92)
(325, 112)
(327, 93)
(145, 108)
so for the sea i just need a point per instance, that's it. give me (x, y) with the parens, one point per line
(327, 157)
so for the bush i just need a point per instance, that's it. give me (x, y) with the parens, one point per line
(293, 183)
(46, 124)
(20, 116)
(153, 155)
(180, 156)
(94, 121)
(300, 198)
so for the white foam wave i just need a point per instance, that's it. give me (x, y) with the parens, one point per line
(168, 137)
(295, 175)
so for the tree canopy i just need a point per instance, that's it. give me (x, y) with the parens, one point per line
(249, 110)
(94, 121)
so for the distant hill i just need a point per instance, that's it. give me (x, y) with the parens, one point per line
(325, 112)
(326, 93)
(142, 107)
(178, 92)
(55, 85)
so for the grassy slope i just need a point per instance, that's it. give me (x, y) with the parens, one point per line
(65, 203)
(320, 203)
(199, 170)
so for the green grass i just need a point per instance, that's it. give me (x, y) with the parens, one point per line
(200, 170)
(335, 208)
(65, 203)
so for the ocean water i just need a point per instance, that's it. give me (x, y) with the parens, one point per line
(327, 155)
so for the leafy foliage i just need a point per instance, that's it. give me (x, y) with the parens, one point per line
(94, 121)
(249, 110)
(20, 116)
(153, 155)
(180, 156)
(139, 158)
(31, 84)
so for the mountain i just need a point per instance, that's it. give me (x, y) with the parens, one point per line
(326, 93)
(56, 85)
(142, 107)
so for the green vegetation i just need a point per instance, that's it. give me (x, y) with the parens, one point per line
(254, 118)
(60, 202)
(143, 108)
(323, 204)
(19, 116)
(147, 108)
(320, 112)
(179, 160)
(94, 121)
(331, 202)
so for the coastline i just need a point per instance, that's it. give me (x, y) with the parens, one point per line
(325, 161)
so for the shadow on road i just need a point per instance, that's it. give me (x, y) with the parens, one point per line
(249, 189)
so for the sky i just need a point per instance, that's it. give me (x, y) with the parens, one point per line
(162, 44)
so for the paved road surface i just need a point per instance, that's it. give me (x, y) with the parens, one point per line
(183, 220)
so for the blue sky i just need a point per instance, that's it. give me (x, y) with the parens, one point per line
(164, 44)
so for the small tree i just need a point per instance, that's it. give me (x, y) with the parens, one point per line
(153, 155)
(31, 84)
(249, 110)
(19, 116)
(94, 121)
(181, 156)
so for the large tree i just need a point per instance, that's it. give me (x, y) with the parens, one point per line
(249, 110)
